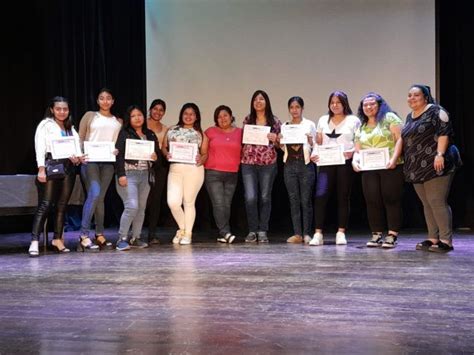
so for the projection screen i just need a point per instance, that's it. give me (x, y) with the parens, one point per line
(214, 52)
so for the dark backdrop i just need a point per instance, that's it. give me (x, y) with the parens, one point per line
(73, 48)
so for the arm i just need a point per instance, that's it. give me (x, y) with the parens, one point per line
(203, 151)
(443, 142)
(397, 151)
(164, 146)
(40, 150)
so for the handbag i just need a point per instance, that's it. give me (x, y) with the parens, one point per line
(55, 170)
(453, 156)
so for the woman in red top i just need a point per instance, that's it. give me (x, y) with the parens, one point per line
(222, 144)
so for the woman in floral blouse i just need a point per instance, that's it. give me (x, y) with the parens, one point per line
(259, 168)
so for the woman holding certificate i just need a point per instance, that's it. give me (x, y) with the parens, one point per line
(137, 147)
(297, 138)
(222, 144)
(382, 180)
(181, 147)
(333, 154)
(259, 168)
(157, 111)
(430, 164)
(58, 185)
(98, 132)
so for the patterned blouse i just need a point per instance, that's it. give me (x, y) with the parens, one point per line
(261, 154)
(184, 135)
(379, 136)
(420, 144)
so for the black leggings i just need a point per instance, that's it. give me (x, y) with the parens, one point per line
(383, 191)
(56, 192)
(153, 208)
(330, 177)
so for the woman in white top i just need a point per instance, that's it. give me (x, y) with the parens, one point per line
(157, 111)
(100, 126)
(299, 173)
(56, 124)
(185, 179)
(337, 127)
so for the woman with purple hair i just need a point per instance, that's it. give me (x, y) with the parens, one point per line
(383, 188)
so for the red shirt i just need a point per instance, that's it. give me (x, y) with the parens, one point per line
(224, 149)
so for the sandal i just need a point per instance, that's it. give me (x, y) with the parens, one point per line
(102, 242)
(425, 245)
(441, 248)
(85, 245)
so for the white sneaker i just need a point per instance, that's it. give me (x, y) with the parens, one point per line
(34, 248)
(306, 239)
(178, 236)
(317, 239)
(186, 240)
(341, 238)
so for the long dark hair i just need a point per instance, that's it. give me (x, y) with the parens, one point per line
(195, 108)
(384, 108)
(344, 101)
(268, 109)
(126, 118)
(49, 112)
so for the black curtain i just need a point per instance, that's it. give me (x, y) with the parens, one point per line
(67, 48)
(456, 76)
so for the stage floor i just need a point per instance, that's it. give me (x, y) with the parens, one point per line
(210, 298)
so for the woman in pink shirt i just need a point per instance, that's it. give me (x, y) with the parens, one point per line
(222, 145)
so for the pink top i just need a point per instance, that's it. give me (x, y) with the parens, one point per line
(224, 149)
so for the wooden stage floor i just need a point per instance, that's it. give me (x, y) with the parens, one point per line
(210, 298)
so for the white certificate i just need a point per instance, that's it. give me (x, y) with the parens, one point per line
(254, 134)
(65, 147)
(331, 154)
(374, 158)
(183, 152)
(137, 149)
(99, 151)
(293, 134)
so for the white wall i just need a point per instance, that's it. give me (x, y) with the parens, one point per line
(216, 52)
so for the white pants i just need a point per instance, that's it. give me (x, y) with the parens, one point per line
(184, 183)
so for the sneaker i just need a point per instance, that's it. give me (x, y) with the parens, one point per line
(251, 238)
(441, 248)
(307, 239)
(228, 238)
(376, 241)
(390, 241)
(262, 237)
(317, 239)
(295, 239)
(341, 238)
(34, 248)
(122, 245)
(186, 240)
(179, 234)
(137, 243)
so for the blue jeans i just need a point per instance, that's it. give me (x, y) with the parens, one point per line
(97, 178)
(258, 182)
(299, 181)
(221, 187)
(134, 197)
